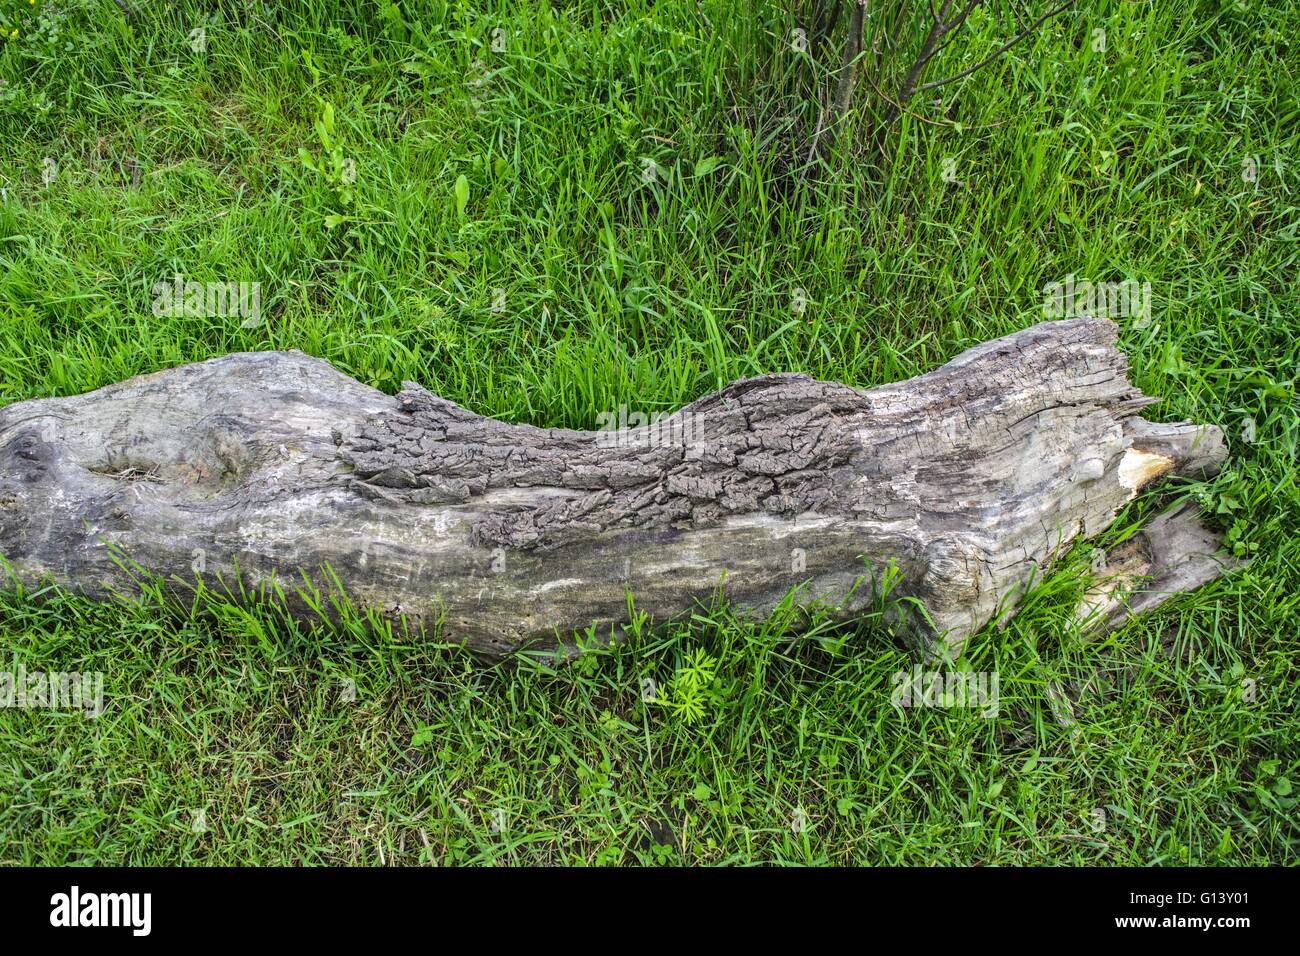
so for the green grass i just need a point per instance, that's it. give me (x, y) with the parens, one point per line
(1115, 165)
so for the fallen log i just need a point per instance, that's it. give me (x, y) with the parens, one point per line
(275, 466)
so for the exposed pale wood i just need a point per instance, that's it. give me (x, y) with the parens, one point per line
(259, 465)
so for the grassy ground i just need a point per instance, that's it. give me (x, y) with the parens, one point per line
(232, 738)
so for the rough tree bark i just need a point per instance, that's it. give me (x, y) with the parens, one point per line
(275, 465)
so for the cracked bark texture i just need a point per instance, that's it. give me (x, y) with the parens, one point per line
(274, 465)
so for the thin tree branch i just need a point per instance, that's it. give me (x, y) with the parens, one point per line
(848, 81)
(849, 63)
(998, 52)
(950, 29)
(947, 123)
(918, 65)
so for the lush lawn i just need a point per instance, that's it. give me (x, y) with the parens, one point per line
(231, 737)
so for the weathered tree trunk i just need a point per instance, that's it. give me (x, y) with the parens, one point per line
(255, 465)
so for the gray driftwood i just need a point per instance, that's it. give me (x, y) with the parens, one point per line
(1175, 553)
(269, 465)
